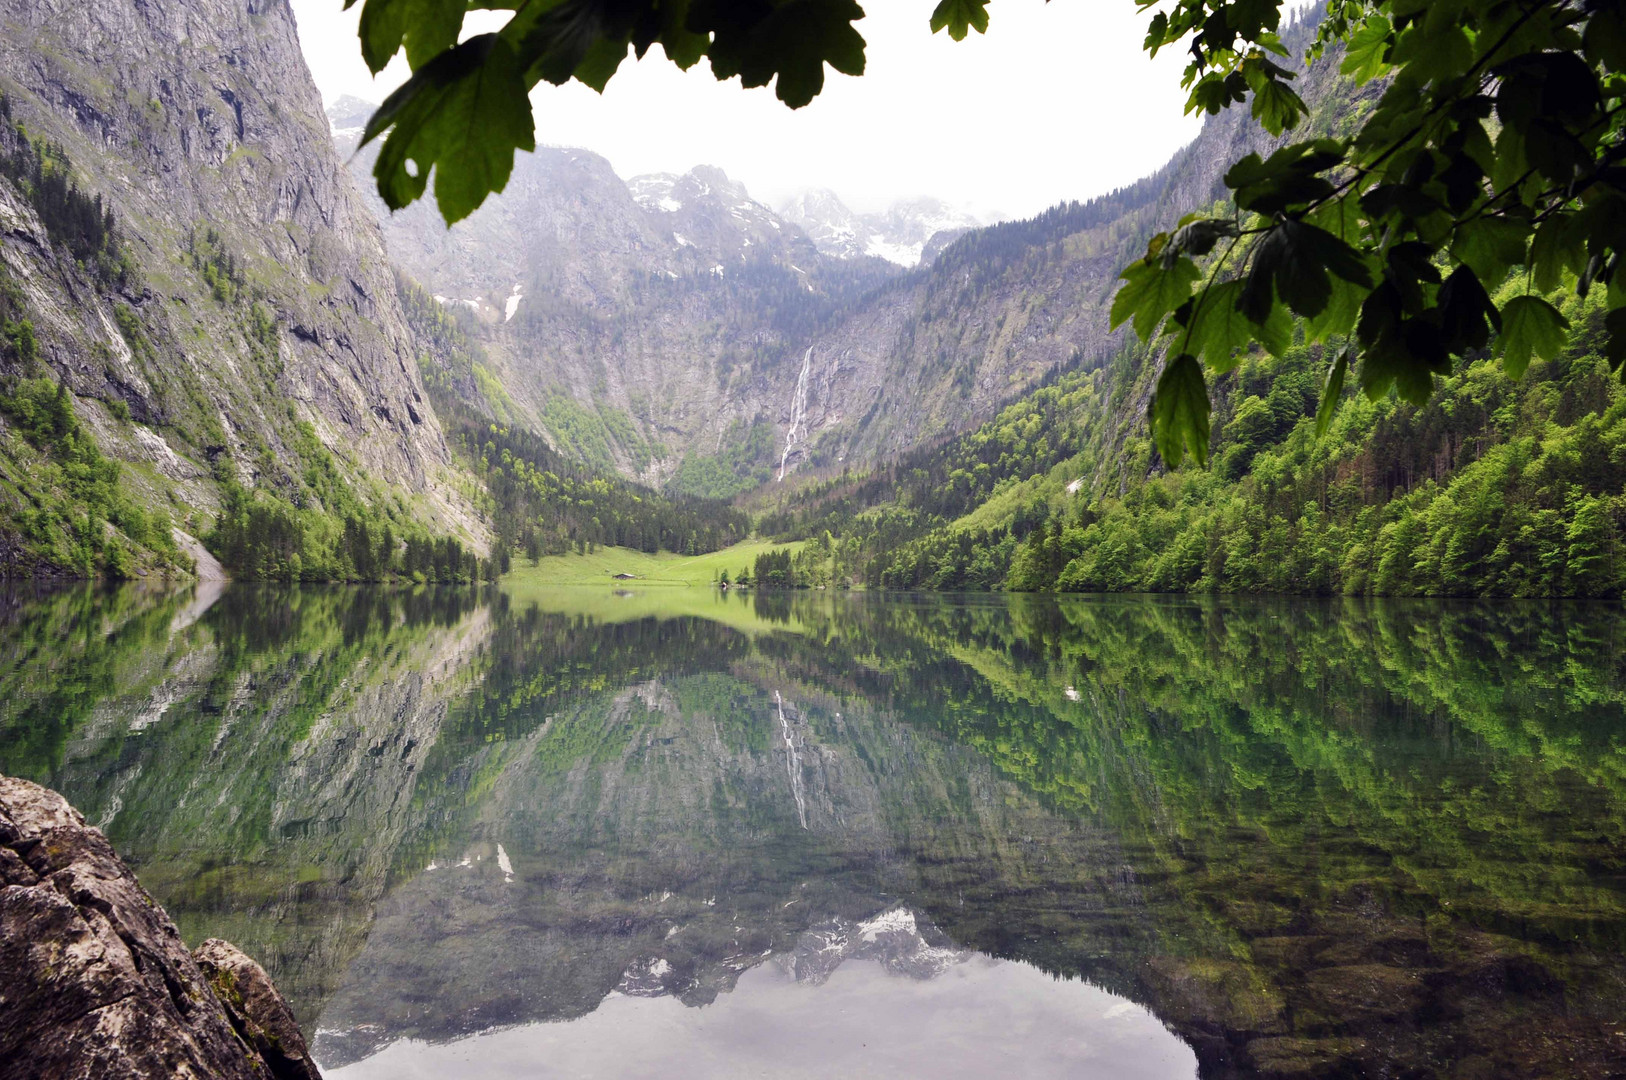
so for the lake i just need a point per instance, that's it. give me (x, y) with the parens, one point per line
(581, 832)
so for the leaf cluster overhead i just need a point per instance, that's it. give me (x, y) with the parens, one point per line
(1486, 181)
(465, 110)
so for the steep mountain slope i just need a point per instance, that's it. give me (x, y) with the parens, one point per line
(251, 332)
(701, 358)
(1497, 487)
(1003, 307)
(651, 319)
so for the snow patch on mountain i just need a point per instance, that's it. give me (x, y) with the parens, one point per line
(655, 192)
(902, 234)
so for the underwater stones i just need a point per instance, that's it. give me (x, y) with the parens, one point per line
(94, 978)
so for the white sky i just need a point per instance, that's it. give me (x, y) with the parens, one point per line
(1057, 101)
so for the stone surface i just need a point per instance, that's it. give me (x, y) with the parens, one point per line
(257, 1010)
(94, 978)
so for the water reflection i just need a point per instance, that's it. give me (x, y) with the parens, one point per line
(983, 1019)
(1264, 837)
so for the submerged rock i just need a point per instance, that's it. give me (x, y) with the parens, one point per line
(95, 980)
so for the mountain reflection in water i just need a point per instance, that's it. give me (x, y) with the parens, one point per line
(489, 834)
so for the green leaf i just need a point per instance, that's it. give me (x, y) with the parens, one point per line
(1252, 18)
(1435, 57)
(1614, 346)
(1510, 159)
(1364, 55)
(1277, 107)
(788, 43)
(1214, 92)
(1338, 317)
(603, 57)
(1530, 327)
(1605, 37)
(1391, 363)
(1199, 237)
(1275, 333)
(1150, 291)
(1156, 33)
(1287, 178)
(1385, 358)
(1298, 257)
(1467, 315)
(1212, 326)
(1314, 156)
(1331, 391)
(960, 16)
(1558, 245)
(1180, 412)
(1491, 246)
(428, 28)
(462, 115)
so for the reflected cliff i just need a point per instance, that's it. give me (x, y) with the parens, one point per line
(1312, 838)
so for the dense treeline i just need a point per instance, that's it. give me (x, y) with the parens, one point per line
(262, 537)
(547, 505)
(1493, 489)
(80, 222)
(745, 462)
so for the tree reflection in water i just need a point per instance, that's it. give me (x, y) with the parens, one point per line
(1312, 837)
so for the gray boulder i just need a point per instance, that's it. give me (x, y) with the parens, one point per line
(95, 980)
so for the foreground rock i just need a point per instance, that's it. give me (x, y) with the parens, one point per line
(95, 980)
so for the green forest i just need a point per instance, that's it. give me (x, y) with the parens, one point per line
(1496, 487)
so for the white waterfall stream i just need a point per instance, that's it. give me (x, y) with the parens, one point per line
(793, 761)
(798, 409)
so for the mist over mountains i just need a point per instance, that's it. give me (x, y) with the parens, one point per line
(674, 328)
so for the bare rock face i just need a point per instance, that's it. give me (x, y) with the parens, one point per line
(257, 1010)
(95, 981)
(197, 124)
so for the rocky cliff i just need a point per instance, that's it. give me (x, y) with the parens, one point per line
(98, 982)
(252, 331)
(654, 317)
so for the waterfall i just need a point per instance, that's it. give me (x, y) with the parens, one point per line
(798, 409)
(793, 761)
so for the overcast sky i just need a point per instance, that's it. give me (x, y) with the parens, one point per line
(1056, 102)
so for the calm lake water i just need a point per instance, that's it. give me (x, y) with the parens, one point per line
(585, 833)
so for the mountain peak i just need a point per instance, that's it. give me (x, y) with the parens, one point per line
(902, 233)
(350, 111)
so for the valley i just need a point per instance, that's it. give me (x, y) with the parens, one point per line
(704, 602)
(605, 361)
(659, 570)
